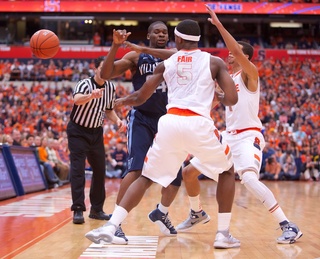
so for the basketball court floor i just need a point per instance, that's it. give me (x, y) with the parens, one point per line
(39, 225)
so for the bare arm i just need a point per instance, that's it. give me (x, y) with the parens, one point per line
(248, 68)
(110, 67)
(112, 116)
(225, 82)
(144, 93)
(159, 53)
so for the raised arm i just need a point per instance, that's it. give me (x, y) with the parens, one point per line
(159, 53)
(144, 93)
(110, 67)
(247, 66)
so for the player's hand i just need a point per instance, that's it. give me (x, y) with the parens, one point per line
(121, 125)
(97, 93)
(118, 103)
(120, 36)
(214, 19)
(133, 47)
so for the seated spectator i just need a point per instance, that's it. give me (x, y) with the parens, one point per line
(119, 158)
(52, 179)
(111, 172)
(267, 152)
(310, 169)
(7, 139)
(61, 168)
(16, 136)
(272, 169)
(289, 170)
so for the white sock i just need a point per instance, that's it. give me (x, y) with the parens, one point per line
(195, 204)
(263, 193)
(224, 221)
(118, 215)
(278, 213)
(162, 208)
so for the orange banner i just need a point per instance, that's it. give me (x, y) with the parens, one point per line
(158, 7)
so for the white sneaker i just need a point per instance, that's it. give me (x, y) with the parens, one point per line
(290, 233)
(225, 241)
(103, 234)
(193, 219)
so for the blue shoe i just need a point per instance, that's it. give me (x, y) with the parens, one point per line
(163, 221)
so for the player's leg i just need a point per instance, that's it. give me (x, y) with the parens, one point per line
(225, 196)
(141, 131)
(160, 215)
(197, 214)
(248, 165)
(130, 200)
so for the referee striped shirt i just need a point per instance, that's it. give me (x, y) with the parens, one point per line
(92, 114)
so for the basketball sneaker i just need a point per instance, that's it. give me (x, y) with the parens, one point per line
(119, 237)
(290, 233)
(225, 240)
(103, 234)
(163, 221)
(193, 219)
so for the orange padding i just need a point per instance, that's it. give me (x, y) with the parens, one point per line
(182, 112)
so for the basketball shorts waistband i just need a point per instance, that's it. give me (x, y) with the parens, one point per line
(182, 112)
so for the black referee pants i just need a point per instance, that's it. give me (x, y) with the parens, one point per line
(86, 143)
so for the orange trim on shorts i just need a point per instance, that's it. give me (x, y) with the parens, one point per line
(257, 157)
(182, 112)
(226, 151)
(216, 132)
(242, 130)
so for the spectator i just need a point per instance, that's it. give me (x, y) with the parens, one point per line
(16, 136)
(272, 169)
(119, 155)
(30, 140)
(311, 169)
(7, 139)
(289, 169)
(61, 168)
(299, 136)
(50, 175)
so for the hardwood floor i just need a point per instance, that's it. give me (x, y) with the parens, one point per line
(39, 225)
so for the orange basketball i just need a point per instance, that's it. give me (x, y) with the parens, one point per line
(44, 44)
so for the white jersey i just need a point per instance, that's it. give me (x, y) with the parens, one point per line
(244, 114)
(185, 86)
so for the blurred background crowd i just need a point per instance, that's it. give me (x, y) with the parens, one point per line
(37, 113)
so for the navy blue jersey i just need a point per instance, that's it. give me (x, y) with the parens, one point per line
(156, 104)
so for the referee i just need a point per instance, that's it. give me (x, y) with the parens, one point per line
(93, 101)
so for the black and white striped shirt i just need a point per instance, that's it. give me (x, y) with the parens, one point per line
(92, 114)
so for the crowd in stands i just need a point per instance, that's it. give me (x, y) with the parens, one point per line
(289, 110)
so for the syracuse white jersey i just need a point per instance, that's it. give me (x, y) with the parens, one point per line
(189, 77)
(244, 114)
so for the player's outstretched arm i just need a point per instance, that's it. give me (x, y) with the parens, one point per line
(159, 53)
(144, 93)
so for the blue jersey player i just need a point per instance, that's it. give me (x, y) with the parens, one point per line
(143, 119)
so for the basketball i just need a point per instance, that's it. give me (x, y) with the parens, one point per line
(44, 44)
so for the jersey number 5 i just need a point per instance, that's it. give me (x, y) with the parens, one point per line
(184, 72)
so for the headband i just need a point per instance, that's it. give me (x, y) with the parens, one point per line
(185, 36)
